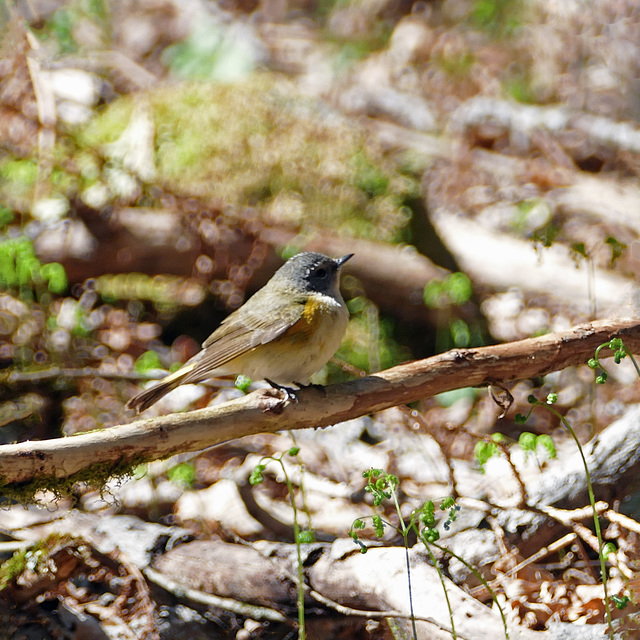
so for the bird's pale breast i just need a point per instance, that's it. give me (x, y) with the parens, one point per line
(304, 348)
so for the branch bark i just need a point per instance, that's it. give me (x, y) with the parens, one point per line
(263, 410)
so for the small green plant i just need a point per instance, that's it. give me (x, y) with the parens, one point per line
(301, 536)
(548, 405)
(33, 558)
(148, 361)
(546, 235)
(620, 602)
(454, 289)
(485, 450)
(21, 270)
(617, 249)
(527, 441)
(383, 486)
(183, 475)
(422, 522)
(243, 383)
(441, 294)
(28, 558)
(6, 216)
(619, 353)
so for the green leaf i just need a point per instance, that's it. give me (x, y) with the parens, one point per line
(546, 235)
(6, 216)
(431, 535)
(460, 333)
(452, 516)
(306, 536)
(579, 248)
(56, 277)
(458, 287)
(483, 451)
(183, 474)
(448, 502)
(432, 294)
(621, 602)
(546, 442)
(148, 361)
(617, 248)
(243, 383)
(378, 525)
(527, 441)
(427, 514)
(256, 476)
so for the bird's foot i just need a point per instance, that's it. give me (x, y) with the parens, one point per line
(288, 392)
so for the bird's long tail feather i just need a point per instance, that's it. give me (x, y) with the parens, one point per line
(151, 395)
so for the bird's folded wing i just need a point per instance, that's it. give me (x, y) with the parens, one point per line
(235, 336)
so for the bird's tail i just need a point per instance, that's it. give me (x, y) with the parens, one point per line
(151, 395)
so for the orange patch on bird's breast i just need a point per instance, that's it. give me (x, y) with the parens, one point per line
(310, 320)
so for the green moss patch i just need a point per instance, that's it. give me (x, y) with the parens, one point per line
(96, 476)
(259, 144)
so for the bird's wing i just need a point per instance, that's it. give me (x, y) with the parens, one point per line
(241, 332)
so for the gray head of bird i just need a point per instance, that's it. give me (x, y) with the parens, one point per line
(311, 272)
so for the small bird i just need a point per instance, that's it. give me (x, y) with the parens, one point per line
(284, 333)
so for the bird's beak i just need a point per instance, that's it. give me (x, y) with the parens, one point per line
(341, 261)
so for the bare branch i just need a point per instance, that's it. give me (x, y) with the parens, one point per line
(12, 378)
(262, 411)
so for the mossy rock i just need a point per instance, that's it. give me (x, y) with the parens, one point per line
(260, 144)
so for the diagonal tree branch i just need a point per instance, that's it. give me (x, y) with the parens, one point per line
(35, 463)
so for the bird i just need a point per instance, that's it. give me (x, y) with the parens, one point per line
(287, 331)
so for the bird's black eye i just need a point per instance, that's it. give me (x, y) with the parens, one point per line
(321, 273)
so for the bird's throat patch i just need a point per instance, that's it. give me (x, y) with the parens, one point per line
(312, 316)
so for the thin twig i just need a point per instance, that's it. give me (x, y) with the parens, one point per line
(210, 600)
